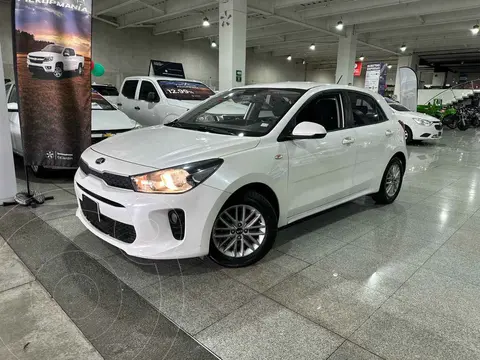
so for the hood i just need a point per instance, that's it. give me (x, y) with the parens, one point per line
(423, 116)
(186, 104)
(104, 120)
(42, 53)
(162, 146)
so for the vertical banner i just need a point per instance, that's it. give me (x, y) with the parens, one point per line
(376, 78)
(408, 88)
(357, 71)
(52, 57)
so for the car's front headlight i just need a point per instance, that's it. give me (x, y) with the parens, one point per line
(49, 58)
(422, 122)
(177, 179)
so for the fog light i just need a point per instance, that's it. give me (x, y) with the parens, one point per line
(48, 67)
(176, 217)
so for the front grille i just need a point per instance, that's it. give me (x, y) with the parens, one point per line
(114, 180)
(36, 60)
(112, 228)
(438, 127)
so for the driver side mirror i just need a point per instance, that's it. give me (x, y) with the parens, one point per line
(12, 107)
(66, 54)
(308, 130)
(152, 97)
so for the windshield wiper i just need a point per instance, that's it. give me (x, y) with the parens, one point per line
(174, 123)
(212, 129)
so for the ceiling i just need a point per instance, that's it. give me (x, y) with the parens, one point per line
(438, 30)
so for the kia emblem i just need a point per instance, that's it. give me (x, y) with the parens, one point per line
(100, 161)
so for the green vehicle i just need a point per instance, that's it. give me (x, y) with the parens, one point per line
(437, 109)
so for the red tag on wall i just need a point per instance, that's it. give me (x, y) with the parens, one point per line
(358, 68)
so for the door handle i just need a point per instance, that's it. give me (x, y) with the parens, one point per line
(119, 104)
(137, 107)
(348, 141)
(389, 132)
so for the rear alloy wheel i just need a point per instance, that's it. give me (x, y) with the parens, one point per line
(244, 231)
(80, 70)
(391, 182)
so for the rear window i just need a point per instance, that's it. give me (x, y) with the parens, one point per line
(99, 103)
(105, 90)
(185, 90)
(129, 89)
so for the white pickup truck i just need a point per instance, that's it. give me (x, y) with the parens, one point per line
(157, 100)
(56, 60)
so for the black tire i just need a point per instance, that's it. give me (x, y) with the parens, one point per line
(461, 126)
(408, 135)
(265, 208)
(382, 196)
(58, 71)
(450, 121)
(80, 70)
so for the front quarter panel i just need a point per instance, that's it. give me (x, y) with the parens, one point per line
(266, 164)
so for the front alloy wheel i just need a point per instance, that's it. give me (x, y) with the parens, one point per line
(391, 182)
(58, 72)
(244, 231)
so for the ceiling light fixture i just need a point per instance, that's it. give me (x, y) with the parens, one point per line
(403, 48)
(339, 25)
(213, 44)
(206, 23)
(475, 29)
(389, 66)
(312, 47)
(289, 57)
(304, 62)
(361, 58)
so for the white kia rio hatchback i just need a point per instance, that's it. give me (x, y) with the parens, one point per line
(226, 175)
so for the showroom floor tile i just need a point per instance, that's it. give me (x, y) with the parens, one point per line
(360, 281)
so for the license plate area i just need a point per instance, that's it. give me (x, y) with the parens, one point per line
(90, 209)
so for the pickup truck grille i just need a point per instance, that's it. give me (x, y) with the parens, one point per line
(36, 60)
(114, 180)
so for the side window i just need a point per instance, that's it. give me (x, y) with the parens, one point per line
(72, 52)
(13, 98)
(147, 88)
(129, 89)
(365, 110)
(324, 110)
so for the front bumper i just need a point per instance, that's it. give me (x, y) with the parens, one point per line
(46, 67)
(148, 215)
(433, 132)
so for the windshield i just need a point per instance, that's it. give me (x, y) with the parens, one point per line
(53, 48)
(398, 107)
(241, 112)
(100, 103)
(105, 90)
(185, 90)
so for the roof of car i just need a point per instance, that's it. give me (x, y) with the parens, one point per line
(154, 77)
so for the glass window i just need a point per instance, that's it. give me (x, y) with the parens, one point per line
(129, 89)
(106, 90)
(398, 107)
(241, 112)
(365, 110)
(100, 103)
(13, 95)
(323, 110)
(53, 48)
(146, 88)
(185, 90)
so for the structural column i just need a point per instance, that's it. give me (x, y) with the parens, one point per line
(347, 50)
(232, 42)
(408, 61)
(8, 184)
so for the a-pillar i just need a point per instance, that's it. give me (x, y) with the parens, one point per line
(8, 184)
(410, 61)
(232, 43)
(347, 50)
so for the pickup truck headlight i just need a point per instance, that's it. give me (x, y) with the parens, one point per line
(49, 58)
(176, 180)
(422, 122)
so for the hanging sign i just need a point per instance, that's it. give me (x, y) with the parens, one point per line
(166, 68)
(358, 69)
(52, 54)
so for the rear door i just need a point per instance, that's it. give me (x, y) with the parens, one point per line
(127, 98)
(373, 130)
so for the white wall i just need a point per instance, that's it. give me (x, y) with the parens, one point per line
(264, 68)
